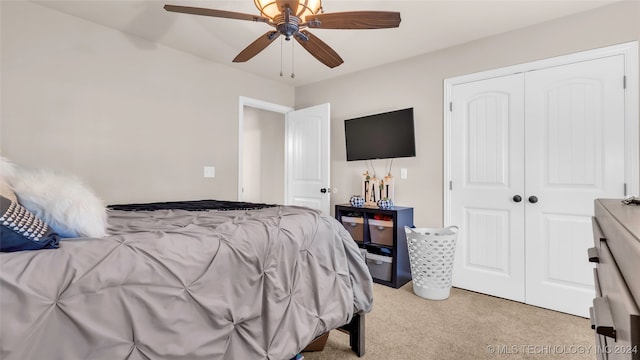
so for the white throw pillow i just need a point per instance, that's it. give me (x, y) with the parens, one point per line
(62, 201)
(7, 168)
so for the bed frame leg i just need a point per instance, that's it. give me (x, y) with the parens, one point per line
(356, 334)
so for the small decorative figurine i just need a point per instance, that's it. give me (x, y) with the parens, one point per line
(356, 201)
(385, 203)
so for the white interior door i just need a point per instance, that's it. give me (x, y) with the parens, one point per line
(307, 154)
(574, 154)
(487, 151)
(556, 138)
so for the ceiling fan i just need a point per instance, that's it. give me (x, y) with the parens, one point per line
(291, 17)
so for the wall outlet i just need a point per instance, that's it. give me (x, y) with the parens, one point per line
(209, 171)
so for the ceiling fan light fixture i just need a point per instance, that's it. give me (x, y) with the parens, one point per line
(291, 18)
(308, 7)
(299, 8)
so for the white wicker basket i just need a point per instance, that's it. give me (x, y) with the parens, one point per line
(431, 252)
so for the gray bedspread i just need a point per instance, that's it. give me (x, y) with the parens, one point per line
(174, 284)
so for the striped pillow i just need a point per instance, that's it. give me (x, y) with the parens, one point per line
(22, 230)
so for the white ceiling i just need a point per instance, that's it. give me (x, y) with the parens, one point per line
(426, 26)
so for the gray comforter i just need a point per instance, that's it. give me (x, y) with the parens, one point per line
(173, 284)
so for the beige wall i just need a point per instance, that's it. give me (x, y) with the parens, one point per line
(418, 83)
(136, 120)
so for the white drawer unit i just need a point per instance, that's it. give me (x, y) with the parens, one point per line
(381, 232)
(355, 227)
(380, 266)
(615, 315)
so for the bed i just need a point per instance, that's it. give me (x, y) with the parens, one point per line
(190, 280)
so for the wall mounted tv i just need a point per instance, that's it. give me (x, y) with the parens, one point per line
(380, 136)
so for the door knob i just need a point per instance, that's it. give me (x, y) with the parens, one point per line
(533, 199)
(517, 198)
(323, 190)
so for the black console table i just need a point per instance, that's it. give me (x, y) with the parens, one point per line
(396, 249)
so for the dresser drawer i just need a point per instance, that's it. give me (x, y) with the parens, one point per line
(623, 240)
(619, 306)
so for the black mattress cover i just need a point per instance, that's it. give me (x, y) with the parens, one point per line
(192, 205)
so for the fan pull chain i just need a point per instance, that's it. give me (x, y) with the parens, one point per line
(293, 75)
(281, 56)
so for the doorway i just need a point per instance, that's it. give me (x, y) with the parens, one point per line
(303, 153)
(261, 177)
(263, 156)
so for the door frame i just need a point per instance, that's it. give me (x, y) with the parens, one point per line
(632, 123)
(263, 105)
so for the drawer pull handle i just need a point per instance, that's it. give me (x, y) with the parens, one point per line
(593, 255)
(380, 227)
(602, 318)
(353, 224)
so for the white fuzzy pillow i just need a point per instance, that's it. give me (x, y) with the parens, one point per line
(64, 202)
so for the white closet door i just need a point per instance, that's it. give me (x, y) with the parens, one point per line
(487, 172)
(574, 154)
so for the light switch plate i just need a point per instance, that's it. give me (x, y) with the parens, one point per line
(403, 173)
(209, 171)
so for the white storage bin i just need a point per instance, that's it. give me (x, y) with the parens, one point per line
(381, 232)
(431, 254)
(379, 266)
(355, 227)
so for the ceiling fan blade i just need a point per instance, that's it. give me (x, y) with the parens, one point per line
(320, 50)
(255, 47)
(355, 20)
(214, 13)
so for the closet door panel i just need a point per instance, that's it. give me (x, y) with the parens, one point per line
(574, 153)
(487, 173)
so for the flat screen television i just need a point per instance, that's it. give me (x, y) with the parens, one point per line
(380, 136)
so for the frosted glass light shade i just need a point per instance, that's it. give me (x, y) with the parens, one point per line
(299, 8)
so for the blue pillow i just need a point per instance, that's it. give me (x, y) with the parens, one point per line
(21, 230)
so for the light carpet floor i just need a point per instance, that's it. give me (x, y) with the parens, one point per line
(467, 325)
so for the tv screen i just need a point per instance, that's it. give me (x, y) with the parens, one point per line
(380, 136)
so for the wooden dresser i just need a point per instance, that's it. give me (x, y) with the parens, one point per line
(615, 315)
